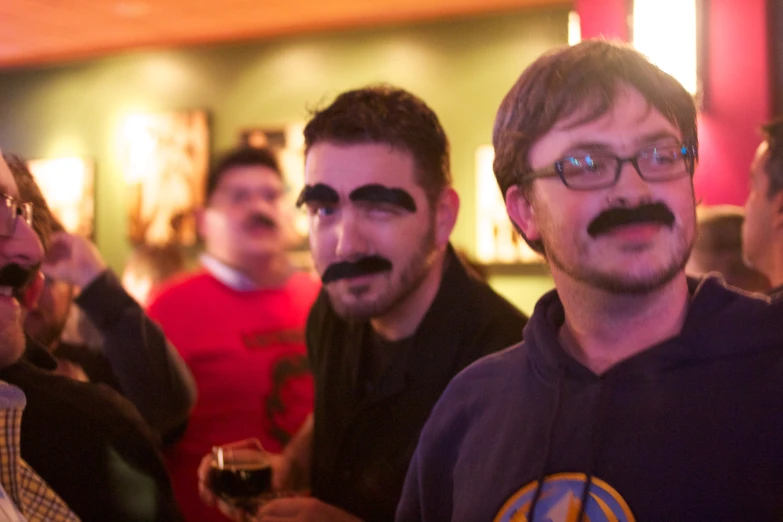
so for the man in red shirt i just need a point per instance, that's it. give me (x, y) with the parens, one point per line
(239, 322)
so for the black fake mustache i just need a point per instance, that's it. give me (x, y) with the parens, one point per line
(17, 277)
(364, 266)
(260, 219)
(619, 216)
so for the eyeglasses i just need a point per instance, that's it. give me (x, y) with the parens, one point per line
(10, 209)
(602, 170)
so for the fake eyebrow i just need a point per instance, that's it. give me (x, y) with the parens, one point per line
(318, 192)
(375, 193)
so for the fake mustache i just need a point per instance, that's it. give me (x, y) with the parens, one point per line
(17, 277)
(364, 266)
(255, 220)
(619, 216)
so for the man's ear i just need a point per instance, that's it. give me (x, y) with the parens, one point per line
(446, 211)
(522, 213)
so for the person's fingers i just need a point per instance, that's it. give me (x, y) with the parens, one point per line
(204, 485)
(233, 512)
(282, 507)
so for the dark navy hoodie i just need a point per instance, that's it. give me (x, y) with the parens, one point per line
(690, 429)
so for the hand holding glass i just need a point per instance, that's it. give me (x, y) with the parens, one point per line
(240, 475)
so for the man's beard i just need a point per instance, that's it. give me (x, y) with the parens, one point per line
(621, 284)
(589, 272)
(411, 277)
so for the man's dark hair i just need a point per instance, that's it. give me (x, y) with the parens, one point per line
(773, 134)
(389, 115)
(30, 192)
(585, 77)
(241, 157)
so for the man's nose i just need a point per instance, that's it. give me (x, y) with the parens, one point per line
(350, 238)
(23, 247)
(631, 188)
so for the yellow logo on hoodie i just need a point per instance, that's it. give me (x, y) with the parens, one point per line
(561, 501)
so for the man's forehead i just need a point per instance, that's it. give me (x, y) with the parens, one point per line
(626, 104)
(348, 166)
(618, 127)
(250, 176)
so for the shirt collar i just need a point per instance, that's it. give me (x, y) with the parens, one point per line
(229, 276)
(11, 397)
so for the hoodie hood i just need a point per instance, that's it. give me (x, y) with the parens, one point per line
(720, 322)
(728, 321)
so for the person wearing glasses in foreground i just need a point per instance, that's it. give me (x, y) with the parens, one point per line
(637, 394)
(89, 443)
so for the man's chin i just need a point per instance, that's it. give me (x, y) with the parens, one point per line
(354, 308)
(634, 283)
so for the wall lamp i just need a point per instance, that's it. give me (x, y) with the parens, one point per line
(671, 34)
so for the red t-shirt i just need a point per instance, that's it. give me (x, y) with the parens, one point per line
(246, 350)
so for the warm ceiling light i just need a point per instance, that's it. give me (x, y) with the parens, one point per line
(665, 31)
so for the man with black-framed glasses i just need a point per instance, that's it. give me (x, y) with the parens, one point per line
(638, 393)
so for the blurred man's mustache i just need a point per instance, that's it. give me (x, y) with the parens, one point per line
(620, 216)
(17, 277)
(260, 219)
(365, 266)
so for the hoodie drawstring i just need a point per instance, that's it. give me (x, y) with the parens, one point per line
(595, 444)
(559, 391)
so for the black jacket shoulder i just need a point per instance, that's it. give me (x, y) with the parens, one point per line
(92, 446)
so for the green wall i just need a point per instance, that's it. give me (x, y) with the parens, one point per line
(461, 67)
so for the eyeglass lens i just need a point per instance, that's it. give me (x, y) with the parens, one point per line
(603, 170)
(9, 211)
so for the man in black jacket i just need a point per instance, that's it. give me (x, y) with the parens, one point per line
(398, 315)
(88, 442)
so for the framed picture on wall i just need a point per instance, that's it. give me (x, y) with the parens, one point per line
(287, 141)
(498, 244)
(164, 159)
(68, 184)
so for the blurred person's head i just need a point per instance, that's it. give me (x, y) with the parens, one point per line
(21, 253)
(148, 266)
(50, 317)
(47, 318)
(718, 248)
(763, 228)
(595, 148)
(379, 199)
(245, 218)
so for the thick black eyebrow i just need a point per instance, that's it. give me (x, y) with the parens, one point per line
(375, 193)
(319, 192)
